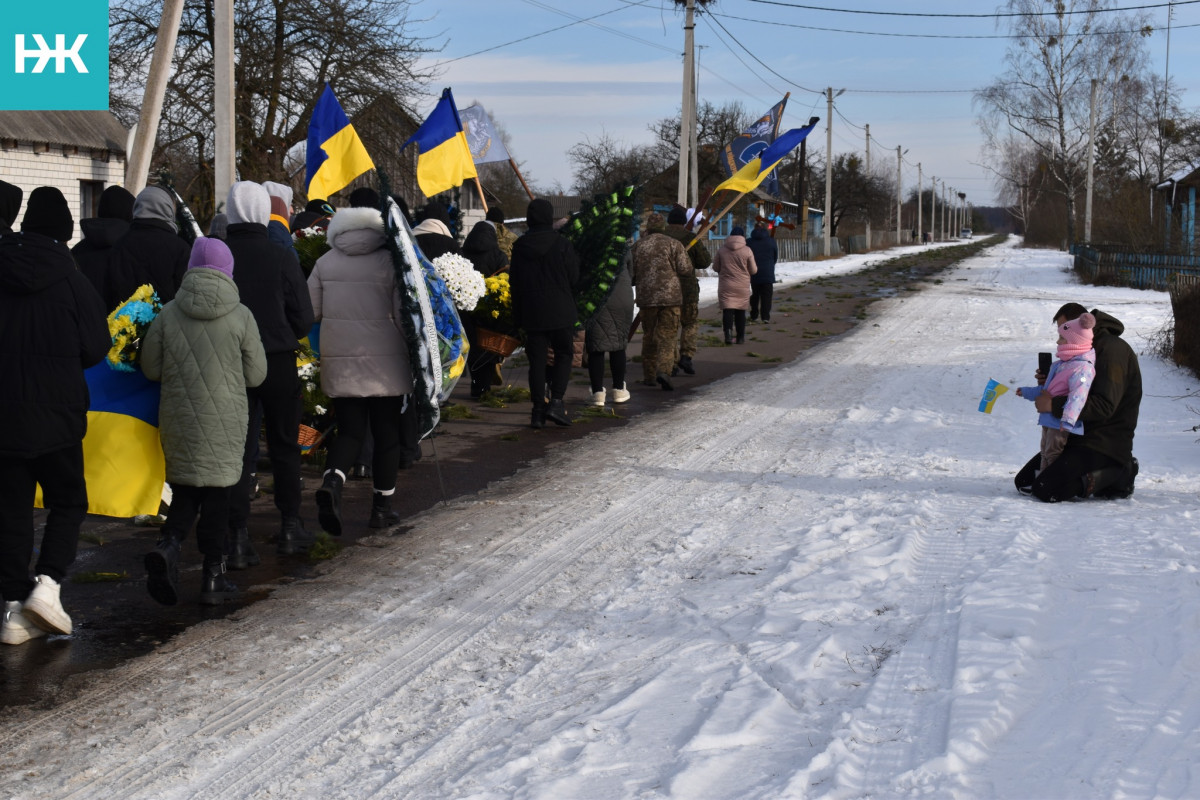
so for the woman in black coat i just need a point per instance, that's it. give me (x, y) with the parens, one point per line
(542, 278)
(52, 328)
(762, 283)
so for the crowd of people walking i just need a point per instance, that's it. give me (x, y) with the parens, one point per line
(237, 304)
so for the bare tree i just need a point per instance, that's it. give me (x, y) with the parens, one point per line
(286, 50)
(1043, 97)
(602, 164)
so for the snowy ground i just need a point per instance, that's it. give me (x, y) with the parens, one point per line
(813, 582)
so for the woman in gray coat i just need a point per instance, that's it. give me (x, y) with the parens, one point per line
(364, 359)
(608, 332)
(205, 348)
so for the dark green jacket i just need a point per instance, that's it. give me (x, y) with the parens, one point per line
(205, 348)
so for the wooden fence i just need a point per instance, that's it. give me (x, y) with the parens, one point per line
(1114, 264)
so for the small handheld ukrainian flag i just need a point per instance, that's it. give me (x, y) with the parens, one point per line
(335, 154)
(993, 390)
(445, 156)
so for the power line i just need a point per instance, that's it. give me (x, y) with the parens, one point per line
(759, 60)
(945, 35)
(532, 36)
(993, 15)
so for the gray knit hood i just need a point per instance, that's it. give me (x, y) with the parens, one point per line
(248, 202)
(155, 202)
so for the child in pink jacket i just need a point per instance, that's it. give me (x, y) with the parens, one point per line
(1071, 377)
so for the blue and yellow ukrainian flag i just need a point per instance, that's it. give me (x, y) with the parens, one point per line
(445, 157)
(757, 169)
(335, 154)
(122, 455)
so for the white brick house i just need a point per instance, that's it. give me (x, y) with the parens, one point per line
(80, 152)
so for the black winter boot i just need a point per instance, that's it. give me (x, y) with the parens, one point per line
(685, 364)
(329, 504)
(382, 515)
(162, 571)
(293, 538)
(239, 550)
(215, 588)
(537, 420)
(557, 413)
(729, 336)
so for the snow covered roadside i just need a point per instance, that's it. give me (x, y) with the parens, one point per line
(788, 273)
(810, 582)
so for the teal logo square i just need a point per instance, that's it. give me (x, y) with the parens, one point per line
(54, 56)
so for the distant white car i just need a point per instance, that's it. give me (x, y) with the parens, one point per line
(966, 233)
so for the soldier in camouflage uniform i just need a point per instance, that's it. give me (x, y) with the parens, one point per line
(689, 313)
(504, 237)
(659, 265)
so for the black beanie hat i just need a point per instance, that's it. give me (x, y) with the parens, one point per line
(116, 202)
(678, 216)
(317, 206)
(540, 214)
(10, 203)
(495, 214)
(47, 213)
(364, 197)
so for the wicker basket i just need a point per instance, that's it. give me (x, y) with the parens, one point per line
(497, 343)
(309, 439)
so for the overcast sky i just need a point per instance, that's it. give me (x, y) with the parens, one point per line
(906, 77)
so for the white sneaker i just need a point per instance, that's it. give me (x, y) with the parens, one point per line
(598, 398)
(44, 609)
(621, 395)
(17, 629)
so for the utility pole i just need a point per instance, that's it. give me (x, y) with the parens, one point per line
(828, 219)
(801, 198)
(224, 135)
(137, 170)
(920, 202)
(899, 195)
(867, 128)
(694, 172)
(943, 211)
(1087, 208)
(686, 119)
(932, 208)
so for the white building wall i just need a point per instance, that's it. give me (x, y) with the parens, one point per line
(59, 167)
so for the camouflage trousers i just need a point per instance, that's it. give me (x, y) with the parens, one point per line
(689, 329)
(660, 337)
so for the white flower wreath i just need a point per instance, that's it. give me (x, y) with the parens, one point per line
(465, 284)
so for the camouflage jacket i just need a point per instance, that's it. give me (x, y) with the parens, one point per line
(659, 264)
(505, 238)
(700, 258)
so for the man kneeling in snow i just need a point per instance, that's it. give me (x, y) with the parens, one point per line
(1099, 463)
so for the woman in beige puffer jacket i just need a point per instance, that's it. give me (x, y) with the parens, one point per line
(364, 359)
(734, 264)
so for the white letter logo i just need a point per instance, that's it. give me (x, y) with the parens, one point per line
(43, 53)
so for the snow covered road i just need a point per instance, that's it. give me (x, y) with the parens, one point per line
(813, 582)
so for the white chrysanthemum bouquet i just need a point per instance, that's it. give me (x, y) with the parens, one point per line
(465, 284)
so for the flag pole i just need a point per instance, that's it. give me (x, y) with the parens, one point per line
(521, 178)
(712, 221)
(482, 199)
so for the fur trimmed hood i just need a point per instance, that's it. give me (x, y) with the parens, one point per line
(355, 231)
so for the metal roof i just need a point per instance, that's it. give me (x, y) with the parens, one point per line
(98, 130)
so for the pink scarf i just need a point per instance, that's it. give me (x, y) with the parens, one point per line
(1068, 351)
